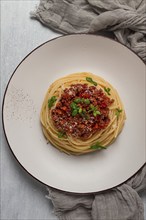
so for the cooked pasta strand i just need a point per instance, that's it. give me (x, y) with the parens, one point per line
(70, 144)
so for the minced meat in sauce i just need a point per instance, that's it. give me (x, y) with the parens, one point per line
(81, 111)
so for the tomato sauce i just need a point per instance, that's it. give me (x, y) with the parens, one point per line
(82, 111)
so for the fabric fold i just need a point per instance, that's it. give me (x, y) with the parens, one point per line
(92, 16)
(120, 203)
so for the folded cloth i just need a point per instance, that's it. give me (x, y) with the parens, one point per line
(125, 18)
(119, 203)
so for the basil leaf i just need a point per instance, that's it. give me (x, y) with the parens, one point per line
(77, 100)
(92, 108)
(89, 79)
(73, 105)
(74, 112)
(61, 134)
(118, 111)
(87, 101)
(82, 100)
(107, 90)
(80, 110)
(51, 101)
(95, 113)
(97, 146)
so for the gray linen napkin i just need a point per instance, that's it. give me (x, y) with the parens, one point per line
(119, 203)
(126, 19)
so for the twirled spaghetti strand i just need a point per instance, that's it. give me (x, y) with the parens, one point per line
(76, 143)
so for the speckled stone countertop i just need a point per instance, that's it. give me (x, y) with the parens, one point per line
(22, 197)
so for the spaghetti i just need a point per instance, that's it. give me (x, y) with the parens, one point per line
(82, 113)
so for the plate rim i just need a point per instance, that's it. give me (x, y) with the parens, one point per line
(3, 103)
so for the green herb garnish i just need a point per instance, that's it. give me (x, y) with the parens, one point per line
(87, 101)
(61, 134)
(75, 109)
(80, 110)
(95, 113)
(74, 112)
(97, 146)
(94, 110)
(118, 111)
(89, 79)
(73, 105)
(107, 90)
(82, 100)
(51, 101)
(77, 100)
(84, 114)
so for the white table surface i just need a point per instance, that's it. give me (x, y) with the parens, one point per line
(22, 197)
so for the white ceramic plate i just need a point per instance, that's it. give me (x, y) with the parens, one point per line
(24, 96)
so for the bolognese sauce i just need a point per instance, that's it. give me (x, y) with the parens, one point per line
(81, 111)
